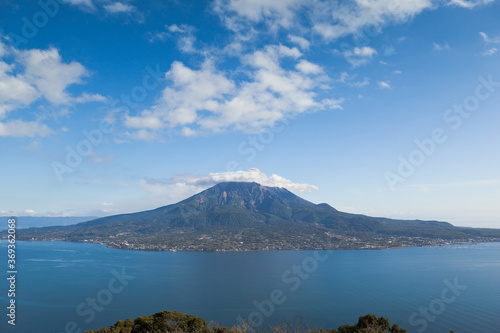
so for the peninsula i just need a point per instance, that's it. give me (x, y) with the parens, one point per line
(239, 216)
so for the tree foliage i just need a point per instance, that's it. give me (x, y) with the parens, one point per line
(177, 322)
(371, 324)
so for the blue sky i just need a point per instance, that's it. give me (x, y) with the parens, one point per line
(386, 108)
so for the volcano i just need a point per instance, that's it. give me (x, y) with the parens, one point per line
(234, 216)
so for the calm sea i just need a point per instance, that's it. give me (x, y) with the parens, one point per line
(67, 287)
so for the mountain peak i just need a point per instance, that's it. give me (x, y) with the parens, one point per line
(249, 195)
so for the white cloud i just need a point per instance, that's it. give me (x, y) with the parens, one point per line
(183, 28)
(490, 52)
(333, 103)
(185, 39)
(34, 74)
(350, 80)
(359, 55)
(147, 120)
(108, 207)
(469, 4)
(15, 91)
(19, 128)
(356, 62)
(275, 13)
(87, 98)
(85, 4)
(329, 19)
(191, 90)
(252, 175)
(161, 36)
(384, 85)
(183, 186)
(209, 100)
(364, 51)
(293, 52)
(488, 39)
(143, 134)
(439, 47)
(186, 43)
(30, 212)
(338, 19)
(45, 69)
(111, 7)
(119, 8)
(307, 67)
(301, 41)
(186, 131)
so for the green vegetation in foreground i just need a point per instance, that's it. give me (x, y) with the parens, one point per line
(167, 321)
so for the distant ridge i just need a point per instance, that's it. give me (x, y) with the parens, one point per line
(24, 222)
(237, 216)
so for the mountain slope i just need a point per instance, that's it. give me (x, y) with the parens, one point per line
(243, 216)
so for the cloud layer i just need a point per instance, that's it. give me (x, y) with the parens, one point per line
(208, 99)
(252, 175)
(28, 76)
(182, 186)
(266, 83)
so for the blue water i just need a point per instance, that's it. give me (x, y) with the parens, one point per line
(326, 289)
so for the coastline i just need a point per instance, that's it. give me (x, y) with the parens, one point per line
(339, 248)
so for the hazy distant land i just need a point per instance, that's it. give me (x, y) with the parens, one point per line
(24, 222)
